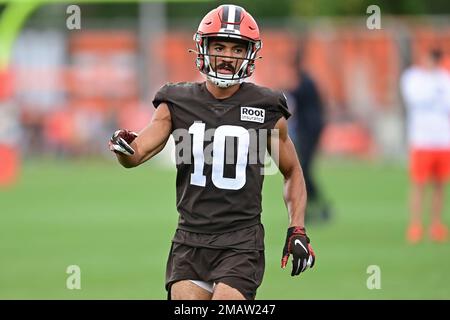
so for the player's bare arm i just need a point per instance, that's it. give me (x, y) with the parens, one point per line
(294, 184)
(150, 141)
(297, 242)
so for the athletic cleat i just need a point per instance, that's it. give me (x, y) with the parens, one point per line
(414, 233)
(438, 232)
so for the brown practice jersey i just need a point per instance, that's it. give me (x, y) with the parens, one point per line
(220, 147)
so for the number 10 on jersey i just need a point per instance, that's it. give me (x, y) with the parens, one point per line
(197, 129)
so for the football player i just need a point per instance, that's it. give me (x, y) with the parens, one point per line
(218, 248)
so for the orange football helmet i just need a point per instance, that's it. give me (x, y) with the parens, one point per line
(228, 22)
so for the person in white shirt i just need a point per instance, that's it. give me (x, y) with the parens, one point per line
(426, 93)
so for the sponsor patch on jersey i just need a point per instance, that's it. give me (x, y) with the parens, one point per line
(253, 114)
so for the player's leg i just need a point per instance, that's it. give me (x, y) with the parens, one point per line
(437, 202)
(416, 202)
(238, 275)
(306, 155)
(438, 231)
(415, 229)
(185, 262)
(419, 174)
(223, 291)
(188, 290)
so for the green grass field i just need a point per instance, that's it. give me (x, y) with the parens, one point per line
(116, 225)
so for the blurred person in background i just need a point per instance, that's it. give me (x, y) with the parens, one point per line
(426, 93)
(308, 126)
(218, 248)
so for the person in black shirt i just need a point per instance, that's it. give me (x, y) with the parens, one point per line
(309, 124)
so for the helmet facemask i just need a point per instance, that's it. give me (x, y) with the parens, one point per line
(204, 59)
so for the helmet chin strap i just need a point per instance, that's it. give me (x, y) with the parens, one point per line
(223, 83)
(223, 80)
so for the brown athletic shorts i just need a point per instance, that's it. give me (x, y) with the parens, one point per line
(234, 258)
